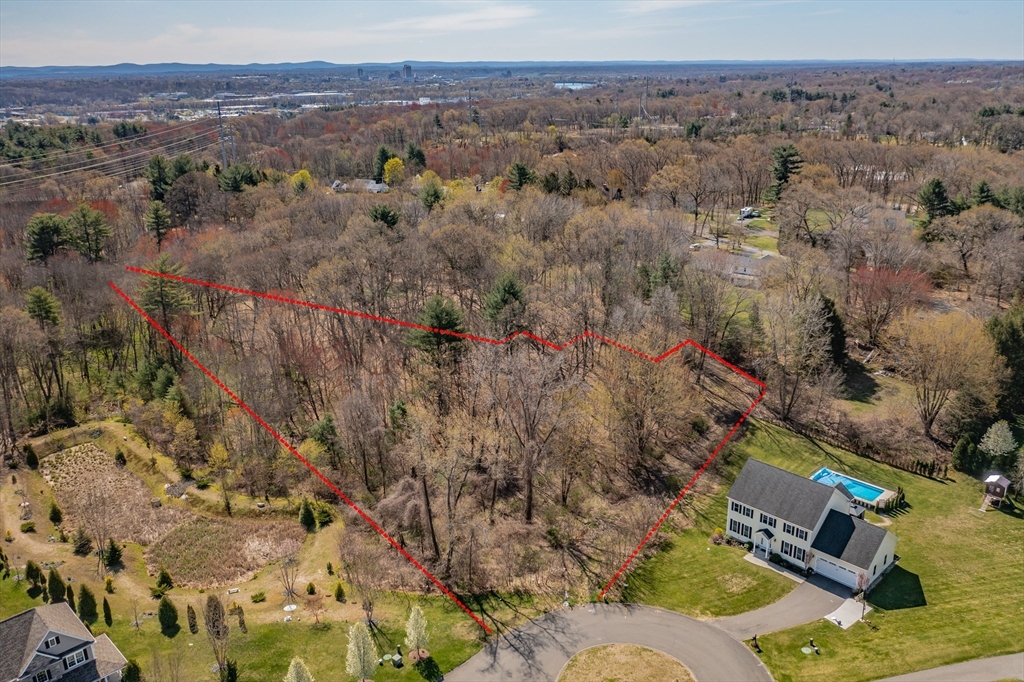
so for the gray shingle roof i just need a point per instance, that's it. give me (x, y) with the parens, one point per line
(21, 634)
(849, 539)
(778, 492)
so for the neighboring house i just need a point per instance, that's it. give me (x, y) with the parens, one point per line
(810, 524)
(50, 643)
(360, 185)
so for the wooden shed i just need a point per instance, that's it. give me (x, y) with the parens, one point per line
(996, 489)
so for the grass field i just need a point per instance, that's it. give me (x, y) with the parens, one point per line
(623, 663)
(957, 593)
(762, 242)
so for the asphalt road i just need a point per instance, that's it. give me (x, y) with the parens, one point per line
(812, 599)
(1010, 667)
(541, 648)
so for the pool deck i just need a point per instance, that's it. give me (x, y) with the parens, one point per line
(875, 504)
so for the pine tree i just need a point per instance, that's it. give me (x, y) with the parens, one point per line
(132, 672)
(193, 624)
(69, 596)
(56, 515)
(298, 672)
(44, 308)
(164, 579)
(88, 232)
(108, 617)
(112, 554)
(960, 458)
(31, 460)
(306, 516)
(982, 194)
(440, 314)
(519, 176)
(87, 605)
(339, 593)
(45, 235)
(361, 661)
(55, 586)
(160, 176)
(158, 221)
(934, 199)
(33, 573)
(381, 158)
(416, 634)
(167, 613)
(82, 542)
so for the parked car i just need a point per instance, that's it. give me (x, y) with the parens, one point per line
(749, 212)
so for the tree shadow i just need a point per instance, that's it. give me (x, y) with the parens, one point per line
(171, 632)
(1011, 509)
(861, 386)
(901, 589)
(35, 591)
(900, 510)
(429, 670)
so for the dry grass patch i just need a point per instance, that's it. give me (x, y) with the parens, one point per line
(624, 663)
(86, 475)
(206, 552)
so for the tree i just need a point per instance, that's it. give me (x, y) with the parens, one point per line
(108, 617)
(786, 163)
(87, 605)
(55, 586)
(982, 194)
(504, 306)
(32, 462)
(189, 201)
(217, 631)
(167, 613)
(999, 445)
(942, 354)
(380, 159)
(394, 171)
(161, 296)
(164, 579)
(298, 672)
(881, 295)
(439, 315)
(934, 200)
(56, 515)
(287, 576)
(112, 555)
(519, 176)
(306, 517)
(414, 155)
(33, 573)
(301, 181)
(362, 658)
(193, 623)
(42, 307)
(416, 634)
(81, 542)
(385, 215)
(160, 176)
(1007, 332)
(339, 593)
(132, 672)
(314, 604)
(88, 232)
(431, 191)
(237, 177)
(69, 596)
(158, 221)
(45, 235)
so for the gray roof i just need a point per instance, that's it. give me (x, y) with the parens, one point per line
(778, 492)
(22, 634)
(107, 661)
(849, 539)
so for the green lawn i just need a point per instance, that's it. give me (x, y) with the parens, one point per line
(762, 242)
(957, 593)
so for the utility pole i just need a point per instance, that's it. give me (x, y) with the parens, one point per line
(220, 134)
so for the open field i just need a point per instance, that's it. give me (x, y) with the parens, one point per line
(623, 663)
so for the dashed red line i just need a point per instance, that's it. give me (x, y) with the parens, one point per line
(473, 337)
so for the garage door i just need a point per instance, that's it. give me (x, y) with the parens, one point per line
(834, 571)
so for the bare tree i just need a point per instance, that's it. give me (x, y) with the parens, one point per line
(287, 574)
(314, 605)
(217, 631)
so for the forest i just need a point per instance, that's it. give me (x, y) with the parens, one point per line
(890, 244)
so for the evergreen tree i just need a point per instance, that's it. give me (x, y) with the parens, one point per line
(33, 573)
(164, 297)
(361, 661)
(519, 176)
(163, 580)
(961, 455)
(339, 593)
(82, 542)
(934, 199)
(786, 163)
(193, 623)
(45, 235)
(112, 554)
(56, 515)
(160, 176)
(384, 214)
(158, 221)
(44, 308)
(504, 305)
(239, 176)
(306, 516)
(381, 158)
(836, 331)
(87, 605)
(88, 232)
(55, 586)
(982, 194)
(414, 155)
(167, 613)
(298, 672)
(31, 460)
(108, 617)
(1007, 331)
(69, 597)
(132, 672)
(439, 314)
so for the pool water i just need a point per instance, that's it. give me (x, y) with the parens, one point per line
(859, 489)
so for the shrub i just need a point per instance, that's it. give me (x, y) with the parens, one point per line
(699, 424)
(108, 585)
(31, 460)
(120, 459)
(82, 542)
(339, 593)
(330, 568)
(157, 592)
(7, 536)
(324, 514)
(28, 527)
(168, 615)
(164, 579)
(258, 597)
(193, 624)
(112, 555)
(306, 516)
(56, 515)
(310, 588)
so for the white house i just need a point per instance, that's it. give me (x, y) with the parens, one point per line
(810, 524)
(50, 643)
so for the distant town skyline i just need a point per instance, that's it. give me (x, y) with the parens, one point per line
(87, 32)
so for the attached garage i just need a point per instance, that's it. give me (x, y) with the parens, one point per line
(834, 571)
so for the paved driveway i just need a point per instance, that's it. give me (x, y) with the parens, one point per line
(1009, 667)
(814, 598)
(541, 648)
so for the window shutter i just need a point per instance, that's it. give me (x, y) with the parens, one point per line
(65, 664)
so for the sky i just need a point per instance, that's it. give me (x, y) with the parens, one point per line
(94, 32)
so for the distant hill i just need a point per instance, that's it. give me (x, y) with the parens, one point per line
(128, 69)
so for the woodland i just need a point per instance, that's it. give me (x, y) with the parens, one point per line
(891, 244)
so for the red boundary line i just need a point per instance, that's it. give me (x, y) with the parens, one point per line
(483, 339)
(302, 459)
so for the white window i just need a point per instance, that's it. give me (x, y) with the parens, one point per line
(734, 526)
(748, 512)
(794, 531)
(770, 520)
(737, 507)
(740, 528)
(53, 641)
(792, 551)
(76, 658)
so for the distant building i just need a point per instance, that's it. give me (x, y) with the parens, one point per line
(406, 71)
(49, 643)
(360, 185)
(359, 74)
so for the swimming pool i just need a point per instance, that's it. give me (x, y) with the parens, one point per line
(859, 489)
